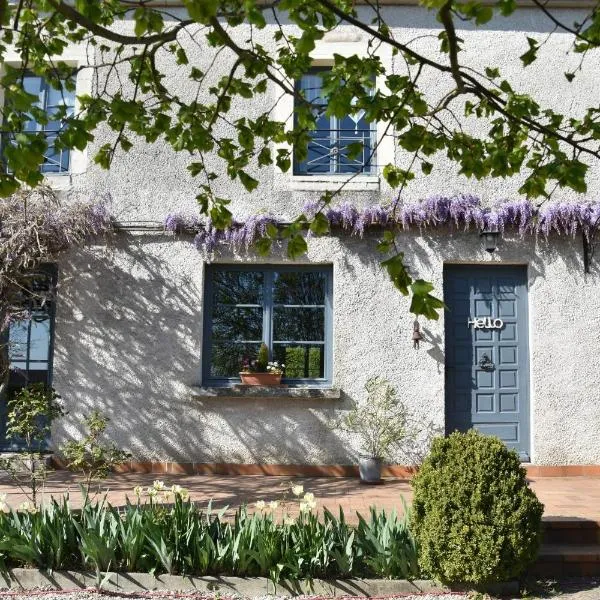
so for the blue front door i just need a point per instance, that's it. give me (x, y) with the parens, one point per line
(487, 363)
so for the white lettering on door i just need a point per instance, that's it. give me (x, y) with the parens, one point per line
(485, 323)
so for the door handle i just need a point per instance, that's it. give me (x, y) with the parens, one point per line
(486, 363)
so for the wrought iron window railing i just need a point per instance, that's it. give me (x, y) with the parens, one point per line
(333, 151)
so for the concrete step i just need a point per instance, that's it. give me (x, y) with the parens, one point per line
(567, 560)
(572, 531)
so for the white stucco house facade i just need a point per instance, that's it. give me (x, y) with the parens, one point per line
(139, 330)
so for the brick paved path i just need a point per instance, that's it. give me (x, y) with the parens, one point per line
(562, 496)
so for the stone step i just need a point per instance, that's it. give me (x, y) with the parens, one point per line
(566, 560)
(570, 531)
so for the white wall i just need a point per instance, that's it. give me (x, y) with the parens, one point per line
(129, 321)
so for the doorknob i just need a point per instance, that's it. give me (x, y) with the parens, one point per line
(486, 364)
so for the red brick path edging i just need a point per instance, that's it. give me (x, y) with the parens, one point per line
(398, 471)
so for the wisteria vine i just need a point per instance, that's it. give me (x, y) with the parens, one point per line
(460, 212)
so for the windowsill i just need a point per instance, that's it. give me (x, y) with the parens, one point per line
(59, 181)
(264, 392)
(332, 182)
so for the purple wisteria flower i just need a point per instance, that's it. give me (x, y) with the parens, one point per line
(463, 211)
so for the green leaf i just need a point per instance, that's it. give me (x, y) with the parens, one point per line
(483, 14)
(296, 246)
(427, 306)
(397, 272)
(263, 245)
(421, 287)
(220, 216)
(248, 182)
(202, 10)
(320, 224)
(396, 176)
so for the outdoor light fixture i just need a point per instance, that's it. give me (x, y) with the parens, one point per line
(490, 239)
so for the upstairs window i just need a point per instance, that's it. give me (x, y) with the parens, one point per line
(328, 149)
(51, 101)
(287, 308)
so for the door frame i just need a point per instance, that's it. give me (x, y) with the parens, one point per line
(526, 415)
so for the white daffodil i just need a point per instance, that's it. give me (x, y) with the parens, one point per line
(159, 485)
(28, 506)
(260, 505)
(273, 504)
(309, 497)
(297, 490)
(304, 507)
(288, 521)
(152, 492)
(138, 490)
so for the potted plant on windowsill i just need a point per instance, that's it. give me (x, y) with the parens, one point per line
(383, 423)
(260, 371)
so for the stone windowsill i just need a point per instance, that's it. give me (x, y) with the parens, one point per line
(259, 391)
(332, 182)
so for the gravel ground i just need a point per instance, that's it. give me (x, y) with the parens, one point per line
(53, 595)
(575, 589)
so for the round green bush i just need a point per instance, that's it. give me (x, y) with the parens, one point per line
(474, 517)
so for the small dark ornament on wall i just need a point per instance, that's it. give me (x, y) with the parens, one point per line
(417, 336)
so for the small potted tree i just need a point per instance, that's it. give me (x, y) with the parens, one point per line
(260, 371)
(383, 424)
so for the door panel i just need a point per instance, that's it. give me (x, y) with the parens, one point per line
(487, 365)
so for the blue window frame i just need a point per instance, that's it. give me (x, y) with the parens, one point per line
(51, 101)
(289, 308)
(327, 150)
(30, 340)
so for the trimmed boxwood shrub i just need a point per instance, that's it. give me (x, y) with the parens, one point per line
(474, 517)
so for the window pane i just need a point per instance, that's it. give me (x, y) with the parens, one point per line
(17, 341)
(238, 287)
(57, 98)
(298, 324)
(235, 323)
(39, 342)
(33, 84)
(311, 85)
(304, 287)
(306, 361)
(227, 357)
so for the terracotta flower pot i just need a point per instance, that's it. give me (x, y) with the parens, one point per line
(261, 378)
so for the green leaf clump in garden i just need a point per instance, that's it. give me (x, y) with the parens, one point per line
(163, 531)
(473, 515)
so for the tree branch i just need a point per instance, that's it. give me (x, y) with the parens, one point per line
(448, 23)
(128, 40)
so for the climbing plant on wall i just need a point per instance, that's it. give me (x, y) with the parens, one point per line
(34, 228)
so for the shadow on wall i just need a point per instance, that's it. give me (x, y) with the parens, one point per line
(128, 339)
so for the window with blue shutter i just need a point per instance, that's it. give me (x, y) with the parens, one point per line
(288, 308)
(57, 104)
(328, 149)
